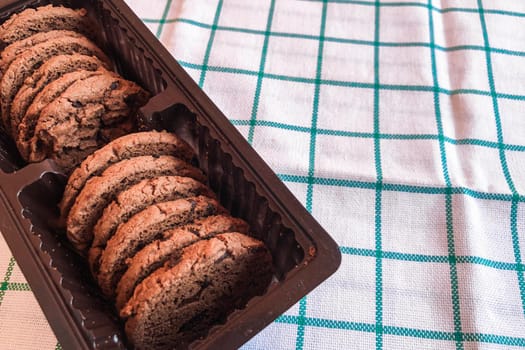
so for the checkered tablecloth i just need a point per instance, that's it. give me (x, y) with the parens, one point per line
(401, 127)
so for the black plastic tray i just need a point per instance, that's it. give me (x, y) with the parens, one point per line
(304, 254)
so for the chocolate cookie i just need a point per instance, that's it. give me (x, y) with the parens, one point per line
(51, 70)
(169, 247)
(143, 228)
(76, 121)
(181, 300)
(14, 50)
(137, 198)
(44, 19)
(24, 66)
(99, 191)
(26, 128)
(69, 158)
(152, 143)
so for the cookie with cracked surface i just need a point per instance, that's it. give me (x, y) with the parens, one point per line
(169, 247)
(53, 90)
(147, 143)
(70, 158)
(99, 191)
(44, 19)
(77, 119)
(51, 70)
(136, 198)
(30, 60)
(144, 227)
(180, 301)
(11, 52)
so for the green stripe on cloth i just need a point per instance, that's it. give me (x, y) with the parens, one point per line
(7, 277)
(397, 87)
(163, 19)
(320, 131)
(299, 338)
(495, 105)
(453, 268)
(379, 188)
(15, 286)
(503, 158)
(434, 258)
(315, 112)
(255, 105)
(311, 158)
(338, 40)
(433, 8)
(405, 331)
(392, 4)
(204, 68)
(448, 194)
(517, 252)
(401, 187)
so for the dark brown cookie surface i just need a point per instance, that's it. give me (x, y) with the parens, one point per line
(77, 119)
(99, 191)
(149, 143)
(11, 52)
(136, 198)
(26, 127)
(44, 19)
(24, 65)
(143, 228)
(181, 300)
(51, 70)
(169, 247)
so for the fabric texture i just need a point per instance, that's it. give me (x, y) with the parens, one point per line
(400, 126)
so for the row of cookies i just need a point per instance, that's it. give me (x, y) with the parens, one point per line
(158, 242)
(59, 97)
